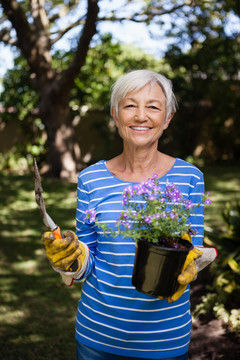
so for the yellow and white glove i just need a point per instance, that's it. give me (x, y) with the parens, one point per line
(197, 259)
(188, 274)
(67, 255)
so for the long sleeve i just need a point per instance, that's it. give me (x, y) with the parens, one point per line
(84, 230)
(197, 220)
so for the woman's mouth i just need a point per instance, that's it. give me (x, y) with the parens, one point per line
(140, 128)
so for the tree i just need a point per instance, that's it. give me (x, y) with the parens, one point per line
(208, 84)
(33, 23)
(35, 27)
(89, 103)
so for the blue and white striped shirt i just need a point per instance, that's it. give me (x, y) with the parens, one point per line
(112, 315)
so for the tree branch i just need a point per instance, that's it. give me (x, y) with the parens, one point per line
(64, 10)
(19, 22)
(39, 15)
(87, 33)
(143, 16)
(33, 39)
(62, 32)
(6, 38)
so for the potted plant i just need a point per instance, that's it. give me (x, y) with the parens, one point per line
(159, 223)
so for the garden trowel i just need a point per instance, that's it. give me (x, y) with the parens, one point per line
(46, 218)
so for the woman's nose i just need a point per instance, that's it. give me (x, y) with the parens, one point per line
(141, 114)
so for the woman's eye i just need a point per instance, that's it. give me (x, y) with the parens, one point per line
(153, 107)
(129, 106)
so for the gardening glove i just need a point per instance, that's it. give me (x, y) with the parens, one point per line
(188, 274)
(67, 255)
(209, 254)
(197, 259)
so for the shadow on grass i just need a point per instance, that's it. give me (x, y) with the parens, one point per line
(37, 311)
(38, 318)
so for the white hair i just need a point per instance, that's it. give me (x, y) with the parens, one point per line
(137, 79)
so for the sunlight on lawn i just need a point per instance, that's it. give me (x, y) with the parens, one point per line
(224, 186)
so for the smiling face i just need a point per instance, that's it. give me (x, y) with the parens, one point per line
(141, 116)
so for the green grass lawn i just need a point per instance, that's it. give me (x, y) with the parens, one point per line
(37, 311)
(223, 183)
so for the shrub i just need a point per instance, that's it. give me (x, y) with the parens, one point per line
(224, 294)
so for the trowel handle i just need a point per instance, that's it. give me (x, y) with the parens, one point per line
(59, 235)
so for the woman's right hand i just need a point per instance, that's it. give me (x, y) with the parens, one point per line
(66, 253)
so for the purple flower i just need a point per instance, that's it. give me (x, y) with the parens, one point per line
(172, 215)
(128, 225)
(91, 215)
(208, 202)
(189, 204)
(124, 215)
(148, 219)
(173, 193)
(156, 189)
(124, 199)
(125, 224)
(128, 191)
(151, 198)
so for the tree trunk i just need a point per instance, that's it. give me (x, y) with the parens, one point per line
(56, 116)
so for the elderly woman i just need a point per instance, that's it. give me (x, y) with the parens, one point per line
(114, 320)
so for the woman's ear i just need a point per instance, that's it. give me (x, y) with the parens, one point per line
(167, 121)
(115, 118)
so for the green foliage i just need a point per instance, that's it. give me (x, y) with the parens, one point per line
(18, 96)
(14, 161)
(21, 102)
(201, 20)
(224, 294)
(231, 216)
(106, 61)
(204, 76)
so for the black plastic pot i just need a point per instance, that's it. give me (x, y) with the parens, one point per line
(156, 268)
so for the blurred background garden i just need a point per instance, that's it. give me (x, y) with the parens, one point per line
(58, 61)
